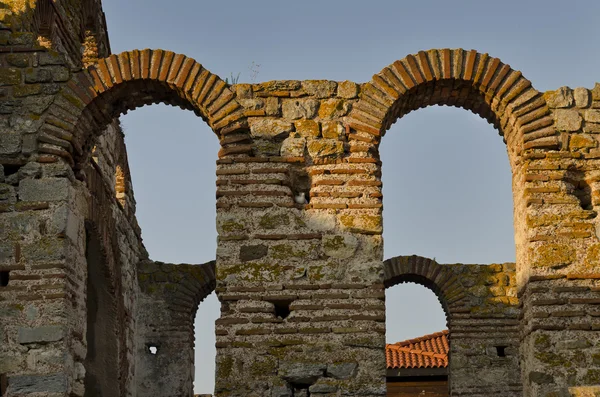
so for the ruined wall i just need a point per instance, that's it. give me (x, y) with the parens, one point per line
(169, 297)
(482, 314)
(301, 284)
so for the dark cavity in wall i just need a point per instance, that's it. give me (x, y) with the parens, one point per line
(102, 361)
(500, 351)
(4, 277)
(581, 188)
(282, 308)
(3, 384)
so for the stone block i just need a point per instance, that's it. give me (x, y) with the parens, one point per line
(584, 391)
(332, 129)
(50, 58)
(301, 373)
(347, 89)
(65, 223)
(325, 148)
(592, 116)
(269, 128)
(582, 97)
(341, 247)
(10, 76)
(44, 250)
(44, 334)
(38, 75)
(47, 189)
(10, 144)
(567, 120)
(7, 253)
(10, 362)
(26, 384)
(253, 252)
(342, 370)
(582, 141)
(308, 128)
(294, 109)
(333, 108)
(319, 88)
(561, 98)
(38, 104)
(293, 147)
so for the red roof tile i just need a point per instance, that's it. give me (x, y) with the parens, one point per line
(429, 351)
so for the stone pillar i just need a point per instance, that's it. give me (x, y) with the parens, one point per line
(301, 285)
(559, 280)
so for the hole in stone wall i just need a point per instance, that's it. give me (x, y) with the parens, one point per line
(500, 351)
(282, 308)
(4, 276)
(300, 390)
(583, 192)
(153, 349)
(10, 169)
(3, 384)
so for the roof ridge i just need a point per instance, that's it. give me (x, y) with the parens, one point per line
(422, 338)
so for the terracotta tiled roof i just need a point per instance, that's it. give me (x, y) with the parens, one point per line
(429, 351)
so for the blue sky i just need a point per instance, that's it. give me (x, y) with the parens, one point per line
(447, 182)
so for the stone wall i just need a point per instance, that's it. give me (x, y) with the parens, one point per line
(299, 266)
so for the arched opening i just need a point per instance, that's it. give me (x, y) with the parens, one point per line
(448, 194)
(161, 332)
(175, 207)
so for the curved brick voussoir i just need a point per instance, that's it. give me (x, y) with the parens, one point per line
(119, 83)
(183, 287)
(427, 272)
(466, 79)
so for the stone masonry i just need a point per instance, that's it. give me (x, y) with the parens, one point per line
(84, 311)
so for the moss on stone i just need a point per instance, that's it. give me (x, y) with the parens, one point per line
(266, 367)
(554, 255)
(224, 367)
(270, 221)
(286, 251)
(251, 271)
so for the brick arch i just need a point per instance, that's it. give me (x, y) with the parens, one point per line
(430, 274)
(119, 83)
(466, 79)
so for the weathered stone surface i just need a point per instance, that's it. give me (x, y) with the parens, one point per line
(325, 148)
(308, 128)
(293, 147)
(340, 246)
(342, 370)
(10, 143)
(301, 373)
(592, 116)
(47, 189)
(49, 333)
(540, 378)
(320, 88)
(582, 141)
(347, 89)
(10, 76)
(333, 108)
(294, 109)
(26, 384)
(269, 128)
(582, 97)
(567, 120)
(561, 98)
(333, 129)
(362, 223)
(252, 252)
